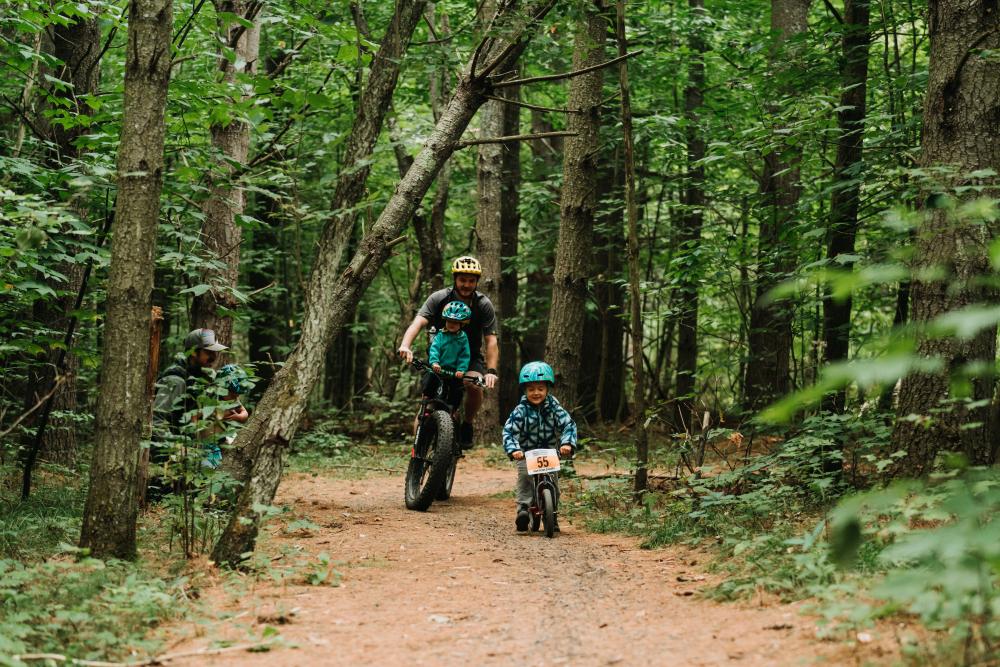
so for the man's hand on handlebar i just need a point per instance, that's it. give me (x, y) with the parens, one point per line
(489, 380)
(406, 354)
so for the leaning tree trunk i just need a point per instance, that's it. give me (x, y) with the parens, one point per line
(770, 338)
(961, 131)
(226, 200)
(372, 108)
(331, 294)
(846, 198)
(578, 205)
(109, 516)
(689, 234)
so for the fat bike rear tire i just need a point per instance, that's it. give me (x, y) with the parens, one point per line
(430, 462)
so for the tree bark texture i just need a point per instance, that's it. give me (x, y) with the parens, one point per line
(331, 294)
(846, 198)
(109, 516)
(770, 337)
(77, 46)
(961, 130)
(578, 207)
(635, 300)
(510, 222)
(536, 297)
(373, 106)
(226, 201)
(489, 215)
(691, 220)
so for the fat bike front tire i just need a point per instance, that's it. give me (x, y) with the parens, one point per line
(430, 462)
(548, 511)
(444, 493)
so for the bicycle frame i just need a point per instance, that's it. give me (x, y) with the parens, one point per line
(542, 481)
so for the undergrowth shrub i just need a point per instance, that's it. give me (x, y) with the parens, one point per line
(88, 609)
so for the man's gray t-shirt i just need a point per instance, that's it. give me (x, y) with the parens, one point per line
(482, 323)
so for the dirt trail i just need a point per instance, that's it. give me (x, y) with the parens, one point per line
(458, 585)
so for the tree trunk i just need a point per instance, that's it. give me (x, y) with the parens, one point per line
(689, 234)
(635, 301)
(109, 516)
(578, 204)
(846, 198)
(510, 223)
(961, 130)
(608, 331)
(374, 104)
(538, 288)
(489, 215)
(226, 200)
(77, 46)
(770, 337)
(265, 333)
(331, 294)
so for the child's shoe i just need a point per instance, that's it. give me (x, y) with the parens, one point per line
(522, 520)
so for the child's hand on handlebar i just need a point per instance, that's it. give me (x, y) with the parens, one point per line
(565, 450)
(436, 367)
(518, 455)
(459, 374)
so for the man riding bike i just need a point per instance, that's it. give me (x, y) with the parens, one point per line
(481, 331)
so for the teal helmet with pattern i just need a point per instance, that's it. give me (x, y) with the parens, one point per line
(457, 311)
(536, 371)
(234, 379)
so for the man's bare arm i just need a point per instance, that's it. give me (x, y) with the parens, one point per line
(492, 357)
(405, 351)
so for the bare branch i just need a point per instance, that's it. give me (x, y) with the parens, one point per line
(16, 108)
(525, 105)
(833, 10)
(513, 137)
(528, 28)
(40, 403)
(564, 75)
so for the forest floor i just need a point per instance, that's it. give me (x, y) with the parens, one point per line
(458, 585)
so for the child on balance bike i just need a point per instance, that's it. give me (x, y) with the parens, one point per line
(537, 422)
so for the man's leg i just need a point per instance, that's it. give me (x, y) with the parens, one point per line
(473, 401)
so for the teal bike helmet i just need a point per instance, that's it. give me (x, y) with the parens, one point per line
(536, 371)
(234, 379)
(457, 311)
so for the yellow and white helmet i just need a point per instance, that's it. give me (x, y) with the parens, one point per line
(467, 264)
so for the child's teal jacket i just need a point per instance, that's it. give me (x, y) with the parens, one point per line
(451, 350)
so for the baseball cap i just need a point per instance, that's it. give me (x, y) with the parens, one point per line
(203, 339)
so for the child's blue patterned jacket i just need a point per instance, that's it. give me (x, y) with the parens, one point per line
(529, 427)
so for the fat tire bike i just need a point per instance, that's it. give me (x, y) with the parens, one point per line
(436, 451)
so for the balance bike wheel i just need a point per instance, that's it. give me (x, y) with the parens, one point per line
(548, 512)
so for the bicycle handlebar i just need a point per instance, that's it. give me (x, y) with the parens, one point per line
(422, 365)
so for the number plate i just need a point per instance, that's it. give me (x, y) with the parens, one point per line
(541, 461)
